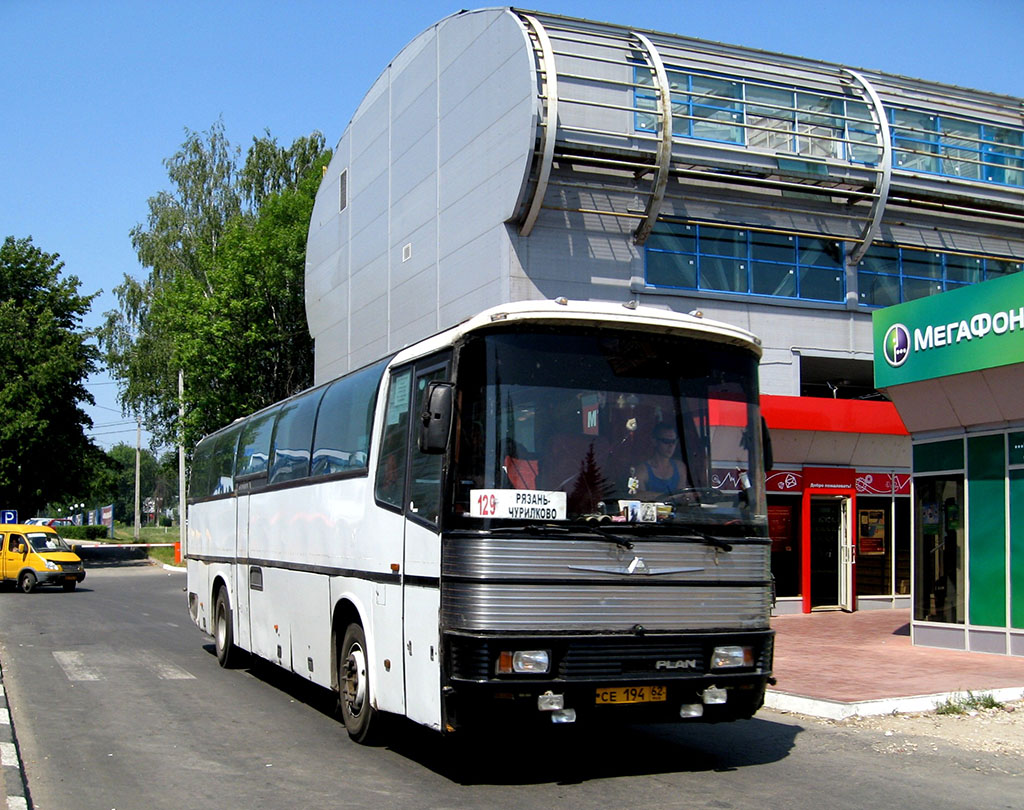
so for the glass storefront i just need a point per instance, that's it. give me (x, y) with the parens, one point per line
(883, 546)
(784, 528)
(881, 540)
(939, 548)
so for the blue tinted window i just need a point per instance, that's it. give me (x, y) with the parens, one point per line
(343, 425)
(746, 262)
(781, 119)
(889, 275)
(222, 473)
(293, 438)
(254, 444)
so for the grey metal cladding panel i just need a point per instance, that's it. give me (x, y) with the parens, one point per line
(983, 237)
(478, 38)
(594, 116)
(471, 218)
(367, 211)
(325, 291)
(414, 124)
(477, 171)
(561, 560)
(473, 265)
(422, 244)
(414, 298)
(413, 71)
(369, 283)
(466, 115)
(465, 305)
(413, 193)
(331, 352)
(769, 210)
(415, 329)
(557, 608)
(323, 242)
(826, 330)
(369, 329)
(369, 130)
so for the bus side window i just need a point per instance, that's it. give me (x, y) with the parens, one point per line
(394, 442)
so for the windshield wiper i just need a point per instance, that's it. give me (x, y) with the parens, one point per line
(567, 530)
(710, 539)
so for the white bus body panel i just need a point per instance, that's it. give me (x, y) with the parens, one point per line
(422, 625)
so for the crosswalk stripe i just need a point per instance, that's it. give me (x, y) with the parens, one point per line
(74, 667)
(8, 754)
(164, 669)
(73, 662)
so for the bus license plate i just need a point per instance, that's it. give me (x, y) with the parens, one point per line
(631, 694)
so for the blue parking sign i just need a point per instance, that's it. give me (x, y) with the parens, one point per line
(8, 515)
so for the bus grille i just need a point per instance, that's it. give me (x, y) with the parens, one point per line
(582, 658)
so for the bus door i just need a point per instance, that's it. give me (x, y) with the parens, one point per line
(411, 480)
(241, 584)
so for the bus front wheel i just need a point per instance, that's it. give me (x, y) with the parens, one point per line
(223, 634)
(354, 698)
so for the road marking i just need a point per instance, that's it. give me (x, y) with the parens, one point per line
(164, 669)
(17, 803)
(74, 667)
(9, 755)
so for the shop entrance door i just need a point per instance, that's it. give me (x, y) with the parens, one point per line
(831, 553)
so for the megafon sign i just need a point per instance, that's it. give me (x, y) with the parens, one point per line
(962, 330)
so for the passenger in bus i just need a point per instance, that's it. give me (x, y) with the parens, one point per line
(663, 473)
(520, 470)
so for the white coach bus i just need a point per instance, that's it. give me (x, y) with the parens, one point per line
(552, 511)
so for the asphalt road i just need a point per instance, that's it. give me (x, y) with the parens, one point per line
(118, 702)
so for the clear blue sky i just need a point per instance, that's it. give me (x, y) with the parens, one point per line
(95, 94)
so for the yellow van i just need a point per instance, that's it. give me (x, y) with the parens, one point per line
(37, 555)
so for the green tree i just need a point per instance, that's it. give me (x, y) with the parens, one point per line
(223, 300)
(123, 461)
(45, 358)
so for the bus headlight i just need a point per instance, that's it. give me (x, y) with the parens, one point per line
(51, 565)
(732, 656)
(531, 662)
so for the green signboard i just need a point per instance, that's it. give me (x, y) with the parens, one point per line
(975, 327)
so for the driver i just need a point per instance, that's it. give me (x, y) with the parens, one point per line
(663, 473)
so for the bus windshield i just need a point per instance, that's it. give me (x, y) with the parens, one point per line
(603, 427)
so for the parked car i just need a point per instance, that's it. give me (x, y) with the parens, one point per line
(48, 521)
(34, 554)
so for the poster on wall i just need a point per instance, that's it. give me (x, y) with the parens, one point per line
(871, 531)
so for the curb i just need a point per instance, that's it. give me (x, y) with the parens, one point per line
(840, 710)
(14, 782)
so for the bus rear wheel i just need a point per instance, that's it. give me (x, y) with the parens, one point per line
(361, 720)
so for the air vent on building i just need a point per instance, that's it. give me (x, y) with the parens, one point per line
(343, 191)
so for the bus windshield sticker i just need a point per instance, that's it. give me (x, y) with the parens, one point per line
(517, 504)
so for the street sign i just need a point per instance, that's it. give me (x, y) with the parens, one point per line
(8, 515)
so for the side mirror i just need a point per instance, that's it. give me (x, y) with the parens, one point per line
(22, 549)
(436, 417)
(766, 446)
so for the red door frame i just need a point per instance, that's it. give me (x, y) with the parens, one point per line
(834, 481)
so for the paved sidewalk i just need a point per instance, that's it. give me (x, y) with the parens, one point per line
(12, 781)
(835, 665)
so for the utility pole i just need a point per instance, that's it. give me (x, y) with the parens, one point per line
(138, 471)
(181, 462)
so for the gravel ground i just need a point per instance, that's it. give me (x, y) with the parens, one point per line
(998, 731)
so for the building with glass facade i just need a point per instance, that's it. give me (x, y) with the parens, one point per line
(509, 155)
